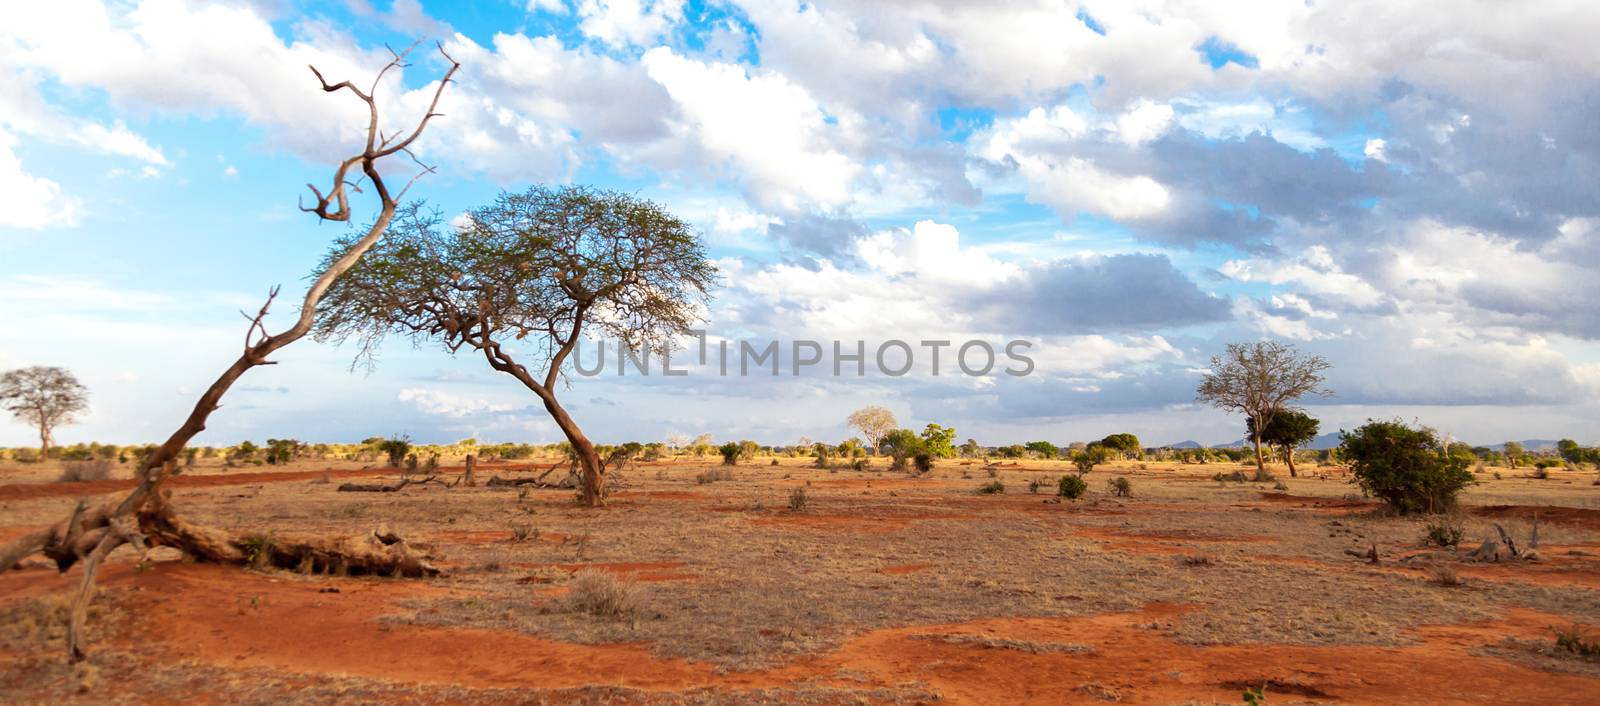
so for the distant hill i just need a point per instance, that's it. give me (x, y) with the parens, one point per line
(1325, 441)
(1190, 444)
(1530, 445)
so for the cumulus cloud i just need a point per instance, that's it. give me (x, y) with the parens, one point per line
(449, 404)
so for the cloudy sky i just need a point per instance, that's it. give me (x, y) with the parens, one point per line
(1409, 189)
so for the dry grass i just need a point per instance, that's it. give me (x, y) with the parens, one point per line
(757, 583)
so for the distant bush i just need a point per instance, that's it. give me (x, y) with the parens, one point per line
(713, 475)
(1263, 475)
(76, 471)
(1120, 487)
(1235, 477)
(992, 488)
(1071, 487)
(602, 594)
(25, 455)
(1444, 532)
(797, 499)
(860, 464)
(730, 453)
(1405, 467)
(395, 448)
(924, 462)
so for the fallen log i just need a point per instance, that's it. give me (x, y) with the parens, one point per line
(382, 488)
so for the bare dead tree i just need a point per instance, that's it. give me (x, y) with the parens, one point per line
(143, 517)
(1260, 380)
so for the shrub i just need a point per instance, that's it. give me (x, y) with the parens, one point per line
(75, 471)
(1120, 487)
(25, 455)
(1263, 475)
(1574, 640)
(1444, 532)
(1033, 485)
(924, 462)
(1540, 473)
(1444, 575)
(1235, 476)
(992, 488)
(1071, 487)
(797, 499)
(396, 448)
(522, 532)
(602, 594)
(1404, 467)
(859, 465)
(713, 475)
(730, 453)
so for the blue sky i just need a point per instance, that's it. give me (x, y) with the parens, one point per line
(1129, 186)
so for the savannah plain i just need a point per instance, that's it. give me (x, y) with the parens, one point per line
(700, 583)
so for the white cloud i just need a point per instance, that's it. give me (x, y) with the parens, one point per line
(774, 135)
(32, 202)
(628, 22)
(449, 404)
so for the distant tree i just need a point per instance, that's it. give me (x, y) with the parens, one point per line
(1405, 467)
(1045, 449)
(1514, 453)
(43, 397)
(1091, 456)
(938, 441)
(1569, 450)
(902, 444)
(874, 423)
(1125, 444)
(1288, 430)
(971, 448)
(1260, 380)
(539, 269)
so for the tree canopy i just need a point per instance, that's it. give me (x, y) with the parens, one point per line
(43, 397)
(1261, 379)
(544, 267)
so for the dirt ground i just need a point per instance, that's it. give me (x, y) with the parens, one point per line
(881, 588)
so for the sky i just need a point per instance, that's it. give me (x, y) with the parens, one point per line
(1411, 190)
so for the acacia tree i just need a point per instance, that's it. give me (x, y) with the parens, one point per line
(1260, 380)
(44, 397)
(1288, 430)
(873, 422)
(544, 268)
(144, 516)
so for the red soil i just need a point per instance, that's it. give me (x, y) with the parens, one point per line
(239, 619)
(33, 491)
(1587, 518)
(903, 569)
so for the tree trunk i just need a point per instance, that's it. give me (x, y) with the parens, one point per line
(468, 477)
(1288, 457)
(44, 442)
(594, 480)
(1256, 439)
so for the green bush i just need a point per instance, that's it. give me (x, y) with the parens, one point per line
(1120, 487)
(1071, 487)
(1404, 467)
(992, 488)
(924, 462)
(1444, 532)
(730, 453)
